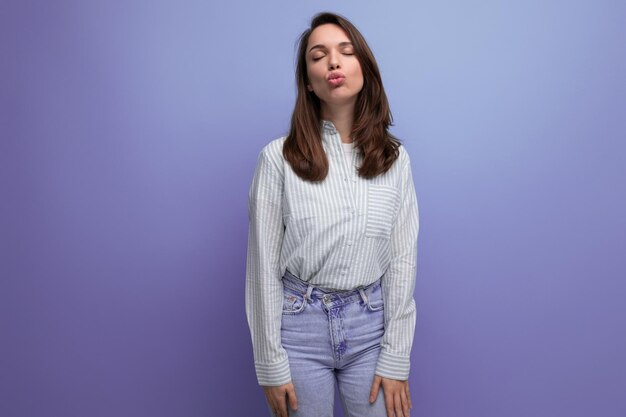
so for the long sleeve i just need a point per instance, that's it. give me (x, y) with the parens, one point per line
(264, 288)
(398, 283)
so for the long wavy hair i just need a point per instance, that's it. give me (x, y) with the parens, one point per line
(372, 117)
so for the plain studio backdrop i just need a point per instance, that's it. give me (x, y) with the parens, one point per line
(129, 135)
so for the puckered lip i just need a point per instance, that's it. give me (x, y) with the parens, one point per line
(335, 74)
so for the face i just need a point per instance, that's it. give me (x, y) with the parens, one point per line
(329, 52)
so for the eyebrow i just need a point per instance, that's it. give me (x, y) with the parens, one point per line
(346, 43)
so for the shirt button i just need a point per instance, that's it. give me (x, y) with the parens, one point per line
(349, 243)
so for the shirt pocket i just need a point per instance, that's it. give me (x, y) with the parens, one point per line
(382, 207)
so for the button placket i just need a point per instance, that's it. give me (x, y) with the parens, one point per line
(347, 171)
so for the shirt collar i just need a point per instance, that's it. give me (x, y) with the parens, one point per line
(330, 135)
(328, 125)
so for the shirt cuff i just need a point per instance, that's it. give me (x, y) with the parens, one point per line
(393, 366)
(273, 374)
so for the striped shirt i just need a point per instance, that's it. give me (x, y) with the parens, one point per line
(343, 232)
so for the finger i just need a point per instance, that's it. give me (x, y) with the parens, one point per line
(405, 403)
(408, 396)
(389, 403)
(270, 405)
(293, 401)
(271, 401)
(276, 408)
(282, 407)
(273, 408)
(397, 405)
(375, 388)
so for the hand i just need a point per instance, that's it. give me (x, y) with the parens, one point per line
(397, 395)
(277, 398)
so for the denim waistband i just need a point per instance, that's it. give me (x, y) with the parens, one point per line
(329, 295)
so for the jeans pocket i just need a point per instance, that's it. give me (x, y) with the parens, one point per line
(382, 207)
(293, 301)
(375, 300)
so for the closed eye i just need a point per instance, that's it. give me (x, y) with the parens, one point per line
(317, 59)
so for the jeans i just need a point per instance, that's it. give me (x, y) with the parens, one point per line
(332, 337)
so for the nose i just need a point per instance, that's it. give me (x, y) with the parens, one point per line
(333, 61)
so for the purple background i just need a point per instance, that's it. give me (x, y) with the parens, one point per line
(130, 131)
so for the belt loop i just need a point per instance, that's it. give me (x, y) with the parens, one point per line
(308, 293)
(363, 296)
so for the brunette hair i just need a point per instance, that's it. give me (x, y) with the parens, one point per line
(303, 145)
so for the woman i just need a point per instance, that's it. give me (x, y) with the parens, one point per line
(332, 244)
